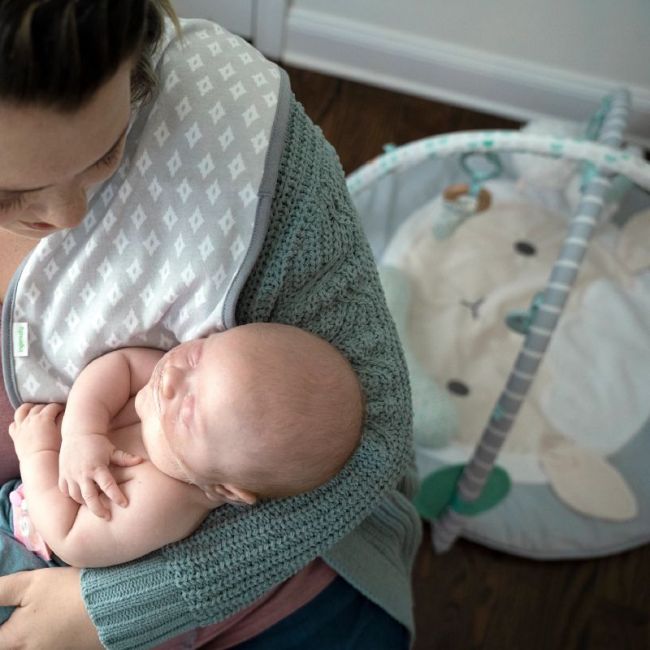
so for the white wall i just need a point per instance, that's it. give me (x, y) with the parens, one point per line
(600, 38)
(260, 21)
(235, 15)
(516, 57)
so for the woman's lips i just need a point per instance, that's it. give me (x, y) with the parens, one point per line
(38, 225)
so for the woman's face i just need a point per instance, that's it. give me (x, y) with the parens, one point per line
(49, 159)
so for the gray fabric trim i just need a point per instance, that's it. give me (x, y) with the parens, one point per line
(266, 193)
(8, 365)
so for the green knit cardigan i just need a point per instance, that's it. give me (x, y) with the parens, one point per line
(315, 271)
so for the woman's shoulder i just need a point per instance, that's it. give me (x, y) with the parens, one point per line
(209, 59)
(310, 169)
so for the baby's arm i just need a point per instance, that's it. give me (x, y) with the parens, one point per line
(161, 510)
(100, 391)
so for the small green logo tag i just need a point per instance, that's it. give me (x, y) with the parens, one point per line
(21, 340)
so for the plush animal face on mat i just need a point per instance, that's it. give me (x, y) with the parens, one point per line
(463, 288)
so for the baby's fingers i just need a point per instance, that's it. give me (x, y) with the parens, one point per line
(124, 458)
(63, 487)
(73, 490)
(93, 503)
(22, 412)
(109, 487)
(52, 410)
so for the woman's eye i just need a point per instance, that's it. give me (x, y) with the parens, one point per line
(11, 204)
(109, 158)
(113, 155)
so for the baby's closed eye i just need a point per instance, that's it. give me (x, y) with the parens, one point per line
(186, 414)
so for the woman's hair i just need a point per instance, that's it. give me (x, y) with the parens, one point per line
(57, 53)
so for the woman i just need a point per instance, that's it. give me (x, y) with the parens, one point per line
(136, 213)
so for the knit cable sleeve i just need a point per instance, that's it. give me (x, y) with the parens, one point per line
(315, 271)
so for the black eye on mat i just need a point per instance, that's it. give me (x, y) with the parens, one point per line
(457, 388)
(524, 248)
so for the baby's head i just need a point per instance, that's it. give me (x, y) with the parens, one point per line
(259, 411)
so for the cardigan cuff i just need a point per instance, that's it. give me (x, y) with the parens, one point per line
(135, 609)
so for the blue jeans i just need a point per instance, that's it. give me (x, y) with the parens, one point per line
(14, 556)
(339, 618)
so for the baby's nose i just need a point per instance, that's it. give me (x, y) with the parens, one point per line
(172, 380)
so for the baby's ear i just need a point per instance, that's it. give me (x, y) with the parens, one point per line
(229, 493)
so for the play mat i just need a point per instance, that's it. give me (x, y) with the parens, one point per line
(516, 265)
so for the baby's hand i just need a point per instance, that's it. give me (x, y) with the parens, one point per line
(84, 473)
(35, 428)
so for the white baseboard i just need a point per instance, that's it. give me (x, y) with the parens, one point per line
(458, 75)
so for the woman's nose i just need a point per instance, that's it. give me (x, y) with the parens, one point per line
(172, 380)
(67, 207)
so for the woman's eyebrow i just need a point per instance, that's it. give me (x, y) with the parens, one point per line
(12, 192)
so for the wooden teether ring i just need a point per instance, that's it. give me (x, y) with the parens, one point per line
(454, 192)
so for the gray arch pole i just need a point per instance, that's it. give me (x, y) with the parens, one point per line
(448, 526)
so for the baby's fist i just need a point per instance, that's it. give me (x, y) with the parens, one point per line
(35, 428)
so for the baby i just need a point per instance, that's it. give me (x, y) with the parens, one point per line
(260, 411)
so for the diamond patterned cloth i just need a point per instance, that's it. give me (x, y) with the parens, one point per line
(161, 255)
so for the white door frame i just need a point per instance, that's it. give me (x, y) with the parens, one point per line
(269, 23)
(236, 16)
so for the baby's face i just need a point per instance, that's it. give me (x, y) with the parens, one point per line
(177, 407)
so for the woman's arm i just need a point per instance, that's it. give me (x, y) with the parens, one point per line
(315, 271)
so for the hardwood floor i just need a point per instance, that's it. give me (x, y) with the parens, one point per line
(358, 120)
(472, 597)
